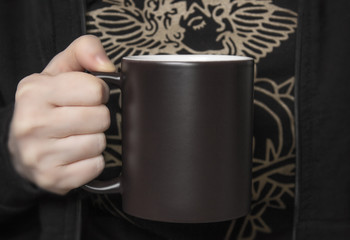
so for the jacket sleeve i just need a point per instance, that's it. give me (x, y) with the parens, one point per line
(17, 195)
(32, 33)
(25, 48)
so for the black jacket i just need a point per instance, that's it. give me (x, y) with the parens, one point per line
(32, 32)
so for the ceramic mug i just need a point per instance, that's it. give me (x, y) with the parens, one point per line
(187, 137)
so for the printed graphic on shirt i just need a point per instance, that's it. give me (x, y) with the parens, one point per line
(274, 155)
(252, 28)
(241, 27)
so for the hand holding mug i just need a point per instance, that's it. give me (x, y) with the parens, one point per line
(57, 132)
(187, 131)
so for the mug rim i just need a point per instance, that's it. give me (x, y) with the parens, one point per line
(188, 58)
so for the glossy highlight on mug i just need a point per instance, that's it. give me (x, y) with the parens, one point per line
(188, 58)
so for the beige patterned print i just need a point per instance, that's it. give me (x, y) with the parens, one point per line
(243, 27)
(240, 27)
(275, 161)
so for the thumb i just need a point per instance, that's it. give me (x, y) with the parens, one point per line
(85, 53)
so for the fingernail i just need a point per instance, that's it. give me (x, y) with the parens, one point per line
(105, 65)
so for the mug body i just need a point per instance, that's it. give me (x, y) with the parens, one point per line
(187, 137)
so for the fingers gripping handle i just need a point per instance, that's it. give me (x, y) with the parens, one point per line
(114, 185)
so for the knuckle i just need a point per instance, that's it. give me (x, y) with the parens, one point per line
(28, 127)
(93, 145)
(99, 92)
(101, 142)
(31, 160)
(20, 129)
(94, 167)
(26, 87)
(31, 157)
(31, 85)
(104, 117)
(47, 179)
(70, 187)
(100, 165)
(35, 87)
(86, 39)
(28, 115)
(30, 78)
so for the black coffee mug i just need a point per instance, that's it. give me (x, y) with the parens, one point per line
(187, 137)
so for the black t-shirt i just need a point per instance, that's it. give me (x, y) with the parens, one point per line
(264, 30)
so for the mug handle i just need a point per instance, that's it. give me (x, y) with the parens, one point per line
(113, 185)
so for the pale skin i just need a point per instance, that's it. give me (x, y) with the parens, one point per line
(56, 136)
